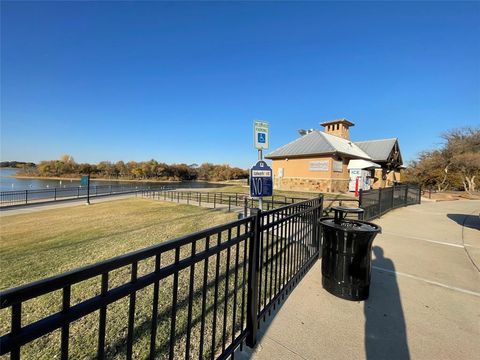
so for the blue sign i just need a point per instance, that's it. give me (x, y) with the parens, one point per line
(84, 180)
(262, 138)
(261, 183)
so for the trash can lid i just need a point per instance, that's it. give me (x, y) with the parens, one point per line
(351, 225)
(347, 209)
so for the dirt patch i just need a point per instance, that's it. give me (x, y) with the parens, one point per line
(451, 195)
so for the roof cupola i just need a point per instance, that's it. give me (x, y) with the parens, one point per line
(338, 128)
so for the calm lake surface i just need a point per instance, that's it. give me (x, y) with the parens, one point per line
(9, 182)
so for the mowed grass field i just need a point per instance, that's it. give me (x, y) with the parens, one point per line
(245, 189)
(45, 243)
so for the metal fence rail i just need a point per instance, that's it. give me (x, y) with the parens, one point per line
(229, 200)
(23, 197)
(380, 201)
(198, 296)
(289, 243)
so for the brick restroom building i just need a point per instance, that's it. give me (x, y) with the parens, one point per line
(319, 160)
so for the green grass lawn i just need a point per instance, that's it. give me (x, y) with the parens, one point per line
(45, 243)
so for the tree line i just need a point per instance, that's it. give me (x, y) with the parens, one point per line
(16, 164)
(454, 166)
(132, 170)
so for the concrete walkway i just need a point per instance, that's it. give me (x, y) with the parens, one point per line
(30, 208)
(424, 301)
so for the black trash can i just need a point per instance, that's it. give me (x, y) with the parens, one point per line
(346, 255)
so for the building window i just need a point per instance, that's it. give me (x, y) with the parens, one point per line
(337, 165)
(321, 165)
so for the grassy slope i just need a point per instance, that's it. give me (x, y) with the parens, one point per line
(49, 242)
(46, 243)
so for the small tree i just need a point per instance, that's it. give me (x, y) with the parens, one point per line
(453, 166)
(468, 165)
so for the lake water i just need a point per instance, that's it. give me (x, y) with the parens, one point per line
(9, 182)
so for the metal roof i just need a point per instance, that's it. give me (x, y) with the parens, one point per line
(316, 143)
(379, 150)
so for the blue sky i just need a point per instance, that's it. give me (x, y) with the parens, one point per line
(183, 82)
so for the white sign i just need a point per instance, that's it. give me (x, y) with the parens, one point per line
(260, 135)
(262, 173)
(321, 165)
(337, 166)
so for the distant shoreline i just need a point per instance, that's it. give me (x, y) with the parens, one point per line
(95, 179)
(225, 182)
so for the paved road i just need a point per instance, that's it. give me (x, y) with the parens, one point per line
(424, 302)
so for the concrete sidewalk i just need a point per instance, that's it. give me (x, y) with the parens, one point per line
(424, 299)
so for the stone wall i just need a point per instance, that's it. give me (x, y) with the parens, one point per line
(311, 184)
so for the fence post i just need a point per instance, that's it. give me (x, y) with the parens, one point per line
(110, 189)
(317, 231)
(55, 194)
(253, 274)
(236, 199)
(360, 197)
(199, 199)
(392, 203)
(26, 197)
(245, 207)
(229, 203)
(78, 192)
(379, 201)
(419, 194)
(214, 200)
(406, 195)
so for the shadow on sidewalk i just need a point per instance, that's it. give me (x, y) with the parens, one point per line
(469, 221)
(385, 329)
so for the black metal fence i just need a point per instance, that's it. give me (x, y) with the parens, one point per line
(23, 197)
(230, 200)
(378, 202)
(199, 296)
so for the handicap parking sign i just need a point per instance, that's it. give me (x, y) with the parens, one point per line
(261, 138)
(260, 135)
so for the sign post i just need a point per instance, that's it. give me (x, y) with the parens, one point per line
(85, 181)
(261, 183)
